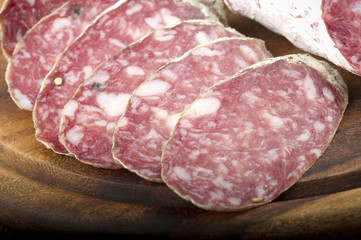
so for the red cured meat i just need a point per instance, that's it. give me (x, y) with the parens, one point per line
(113, 32)
(17, 17)
(146, 125)
(248, 139)
(37, 52)
(343, 21)
(89, 118)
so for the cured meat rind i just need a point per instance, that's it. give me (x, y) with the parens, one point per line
(38, 50)
(145, 127)
(89, 118)
(262, 129)
(17, 17)
(114, 31)
(302, 23)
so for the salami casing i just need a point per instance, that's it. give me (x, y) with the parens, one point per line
(17, 17)
(325, 28)
(248, 139)
(38, 50)
(111, 33)
(155, 106)
(89, 118)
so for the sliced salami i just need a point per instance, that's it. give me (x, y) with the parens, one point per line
(113, 32)
(248, 139)
(38, 50)
(326, 28)
(146, 125)
(17, 17)
(89, 118)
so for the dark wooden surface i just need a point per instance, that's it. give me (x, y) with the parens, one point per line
(41, 191)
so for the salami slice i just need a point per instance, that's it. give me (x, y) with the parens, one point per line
(89, 118)
(113, 32)
(38, 50)
(17, 17)
(248, 139)
(326, 28)
(145, 127)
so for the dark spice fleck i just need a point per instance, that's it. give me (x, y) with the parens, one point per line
(97, 86)
(77, 10)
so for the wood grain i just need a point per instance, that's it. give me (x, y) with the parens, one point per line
(44, 191)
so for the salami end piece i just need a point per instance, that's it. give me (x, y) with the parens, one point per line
(326, 28)
(248, 139)
(110, 34)
(17, 17)
(90, 116)
(38, 50)
(146, 125)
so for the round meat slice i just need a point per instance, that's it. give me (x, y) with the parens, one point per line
(90, 116)
(145, 127)
(36, 53)
(248, 139)
(17, 17)
(111, 33)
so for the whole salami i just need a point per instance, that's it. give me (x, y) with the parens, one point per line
(111, 33)
(38, 50)
(89, 118)
(17, 17)
(248, 139)
(145, 127)
(326, 28)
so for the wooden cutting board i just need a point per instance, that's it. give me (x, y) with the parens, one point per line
(44, 191)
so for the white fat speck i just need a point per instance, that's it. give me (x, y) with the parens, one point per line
(301, 158)
(222, 183)
(202, 37)
(249, 52)
(60, 23)
(101, 123)
(316, 151)
(260, 190)
(100, 77)
(22, 99)
(250, 97)
(319, 126)
(152, 134)
(153, 22)
(160, 113)
(172, 120)
(113, 104)
(136, 8)
(310, 88)
(205, 51)
(151, 88)
(116, 42)
(134, 71)
(31, 2)
(272, 154)
(123, 122)
(70, 108)
(329, 118)
(111, 126)
(356, 7)
(304, 136)
(328, 94)
(87, 70)
(274, 121)
(181, 173)
(234, 201)
(75, 135)
(168, 18)
(164, 35)
(203, 107)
